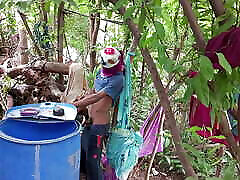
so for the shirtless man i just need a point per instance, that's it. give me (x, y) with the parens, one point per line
(107, 88)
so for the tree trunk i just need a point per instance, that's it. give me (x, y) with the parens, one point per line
(165, 103)
(187, 8)
(43, 11)
(60, 33)
(218, 7)
(45, 20)
(142, 78)
(55, 25)
(24, 19)
(23, 41)
(94, 25)
(60, 37)
(51, 67)
(225, 129)
(23, 46)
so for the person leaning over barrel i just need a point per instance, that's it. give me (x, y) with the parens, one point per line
(107, 88)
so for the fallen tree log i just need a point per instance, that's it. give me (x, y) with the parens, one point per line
(46, 67)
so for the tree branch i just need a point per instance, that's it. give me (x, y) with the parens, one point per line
(165, 103)
(187, 8)
(23, 16)
(218, 7)
(67, 11)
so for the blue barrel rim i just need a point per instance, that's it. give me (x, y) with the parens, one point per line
(40, 142)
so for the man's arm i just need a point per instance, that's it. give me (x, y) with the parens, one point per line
(89, 99)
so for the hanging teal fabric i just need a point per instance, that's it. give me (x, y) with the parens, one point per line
(125, 100)
(124, 143)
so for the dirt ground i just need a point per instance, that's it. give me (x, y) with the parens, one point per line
(141, 176)
(160, 176)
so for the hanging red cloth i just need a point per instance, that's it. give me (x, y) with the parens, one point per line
(227, 43)
(199, 116)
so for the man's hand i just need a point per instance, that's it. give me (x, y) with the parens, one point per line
(79, 97)
(79, 106)
(89, 99)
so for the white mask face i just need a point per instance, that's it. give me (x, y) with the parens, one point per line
(109, 57)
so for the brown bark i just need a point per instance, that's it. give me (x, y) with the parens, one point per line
(23, 46)
(43, 11)
(142, 78)
(44, 90)
(94, 25)
(45, 20)
(24, 19)
(218, 7)
(225, 129)
(60, 32)
(60, 37)
(67, 11)
(220, 165)
(50, 67)
(165, 103)
(56, 68)
(187, 8)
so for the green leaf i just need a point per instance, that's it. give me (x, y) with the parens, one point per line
(166, 63)
(153, 41)
(193, 150)
(120, 4)
(224, 63)
(228, 173)
(159, 29)
(157, 2)
(188, 93)
(157, 7)
(218, 137)
(23, 5)
(142, 42)
(194, 129)
(206, 68)
(200, 86)
(128, 13)
(229, 3)
(2, 5)
(142, 19)
(57, 1)
(109, 14)
(158, 10)
(226, 26)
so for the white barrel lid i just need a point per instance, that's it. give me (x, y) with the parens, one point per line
(43, 112)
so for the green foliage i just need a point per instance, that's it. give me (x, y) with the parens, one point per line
(206, 160)
(228, 20)
(6, 84)
(206, 69)
(159, 30)
(224, 63)
(167, 159)
(42, 36)
(76, 32)
(91, 76)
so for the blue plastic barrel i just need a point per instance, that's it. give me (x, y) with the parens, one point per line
(39, 151)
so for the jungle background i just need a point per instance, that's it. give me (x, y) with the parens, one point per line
(40, 38)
